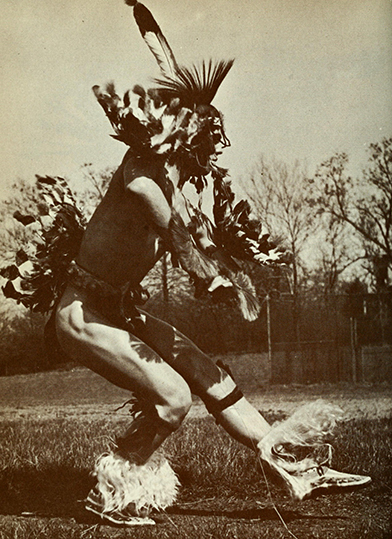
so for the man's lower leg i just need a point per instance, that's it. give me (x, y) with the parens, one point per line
(307, 428)
(134, 480)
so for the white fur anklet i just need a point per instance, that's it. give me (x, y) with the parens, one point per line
(153, 485)
(306, 428)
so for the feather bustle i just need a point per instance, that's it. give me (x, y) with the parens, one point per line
(38, 276)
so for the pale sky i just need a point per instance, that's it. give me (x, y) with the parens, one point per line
(311, 77)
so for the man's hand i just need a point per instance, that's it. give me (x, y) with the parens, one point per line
(221, 290)
(225, 261)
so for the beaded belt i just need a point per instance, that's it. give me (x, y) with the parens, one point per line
(118, 304)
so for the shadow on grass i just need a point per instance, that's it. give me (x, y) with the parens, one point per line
(264, 513)
(44, 472)
(54, 492)
(60, 492)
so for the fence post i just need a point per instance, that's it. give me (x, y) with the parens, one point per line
(353, 334)
(267, 300)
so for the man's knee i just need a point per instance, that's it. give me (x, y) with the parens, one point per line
(175, 406)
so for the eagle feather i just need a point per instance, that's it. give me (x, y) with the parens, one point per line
(154, 38)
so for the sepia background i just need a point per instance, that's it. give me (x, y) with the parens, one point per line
(311, 77)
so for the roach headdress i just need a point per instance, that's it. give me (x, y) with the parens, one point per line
(192, 86)
(175, 118)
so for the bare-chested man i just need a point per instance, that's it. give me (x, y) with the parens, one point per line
(174, 136)
(124, 239)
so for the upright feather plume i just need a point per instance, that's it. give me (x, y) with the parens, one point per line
(153, 36)
(196, 85)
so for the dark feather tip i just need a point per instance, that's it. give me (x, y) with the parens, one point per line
(24, 219)
(131, 2)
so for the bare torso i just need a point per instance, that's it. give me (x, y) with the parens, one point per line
(119, 245)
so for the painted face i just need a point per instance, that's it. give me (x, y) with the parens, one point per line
(211, 138)
(205, 142)
(218, 135)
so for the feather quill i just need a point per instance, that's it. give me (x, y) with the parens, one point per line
(197, 85)
(154, 38)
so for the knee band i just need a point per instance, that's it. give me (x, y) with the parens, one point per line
(216, 407)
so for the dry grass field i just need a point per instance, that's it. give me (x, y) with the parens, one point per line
(53, 425)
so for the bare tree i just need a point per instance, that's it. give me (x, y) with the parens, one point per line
(95, 184)
(364, 204)
(278, 193)
(334, 250)
(23, 199)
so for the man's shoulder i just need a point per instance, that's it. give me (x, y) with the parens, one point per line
(142, 164)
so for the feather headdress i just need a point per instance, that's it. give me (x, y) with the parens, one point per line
(176, 115)
(197, 85)
(194, 86)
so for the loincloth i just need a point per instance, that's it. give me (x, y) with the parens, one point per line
(119, 305)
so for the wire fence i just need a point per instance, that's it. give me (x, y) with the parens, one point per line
(306, 339)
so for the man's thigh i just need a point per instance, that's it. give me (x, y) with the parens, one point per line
(199, 371)
(117, 355)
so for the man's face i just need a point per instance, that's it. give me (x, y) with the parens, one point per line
(211, 138)
(219, 138)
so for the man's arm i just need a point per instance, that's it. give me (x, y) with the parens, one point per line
(153, 202)
(168, 223)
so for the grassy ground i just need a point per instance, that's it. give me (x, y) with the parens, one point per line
(81, 392)
(45, 463)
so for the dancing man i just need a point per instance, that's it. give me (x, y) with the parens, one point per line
(174, 135)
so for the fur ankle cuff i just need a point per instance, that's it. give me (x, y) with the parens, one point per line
(153, 485)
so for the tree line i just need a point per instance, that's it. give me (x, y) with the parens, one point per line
(332, 222)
